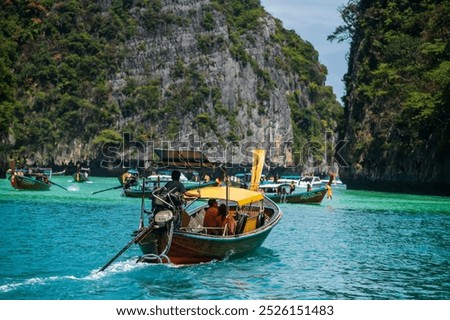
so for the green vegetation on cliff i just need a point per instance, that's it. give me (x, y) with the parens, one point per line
(398, 87)
(58, 60)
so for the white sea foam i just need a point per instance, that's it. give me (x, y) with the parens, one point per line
(116, 267)
(73, 188)
(31, 282)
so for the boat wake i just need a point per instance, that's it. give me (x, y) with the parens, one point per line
(32, 282)
(115, 268)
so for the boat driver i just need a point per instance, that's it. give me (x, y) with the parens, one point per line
(177, 188)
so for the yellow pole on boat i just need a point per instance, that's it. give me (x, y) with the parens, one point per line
(258, 164)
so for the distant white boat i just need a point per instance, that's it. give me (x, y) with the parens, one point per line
(336, 182)
(303, 182)
(165, 177)
(162, 177)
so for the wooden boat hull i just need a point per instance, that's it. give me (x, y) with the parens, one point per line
(188, 248)
(192, 248)
(314, 196)
(28, 183)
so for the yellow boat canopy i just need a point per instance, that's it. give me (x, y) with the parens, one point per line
(238, 195)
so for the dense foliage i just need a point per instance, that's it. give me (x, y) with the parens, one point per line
(57, 59)
(398, 83)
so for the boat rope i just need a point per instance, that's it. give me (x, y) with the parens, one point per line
(149, 257)
(163, 256)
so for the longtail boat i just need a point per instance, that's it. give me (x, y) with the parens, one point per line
(82, 175)
(160, 178)
(188, 243)
(176, 234)
(280, 193)
(139, 190)
(32, 179)
(285, 193)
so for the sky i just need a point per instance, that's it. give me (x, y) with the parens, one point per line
(314, 21)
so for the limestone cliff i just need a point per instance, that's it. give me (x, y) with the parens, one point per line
(177, 54)
(220, 75)
(397, 106)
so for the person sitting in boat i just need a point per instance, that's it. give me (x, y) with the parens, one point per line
(308, 187)
(292, 187)
(210, 216)
(222, 220)
(129, 180)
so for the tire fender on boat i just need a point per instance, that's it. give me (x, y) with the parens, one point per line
(240, 225)
(260, 220)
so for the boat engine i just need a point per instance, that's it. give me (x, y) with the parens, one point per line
(162, 218)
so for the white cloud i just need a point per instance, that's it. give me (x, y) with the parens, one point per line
(314, 21)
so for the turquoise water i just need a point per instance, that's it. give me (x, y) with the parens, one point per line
(359, 245)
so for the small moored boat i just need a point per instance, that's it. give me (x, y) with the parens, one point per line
(280, 193)
(289, 193)
(82, 175)
(304, 182)
(32, 179)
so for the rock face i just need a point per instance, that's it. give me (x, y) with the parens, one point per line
(156, 53)
(220, 76)
(396, 113)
